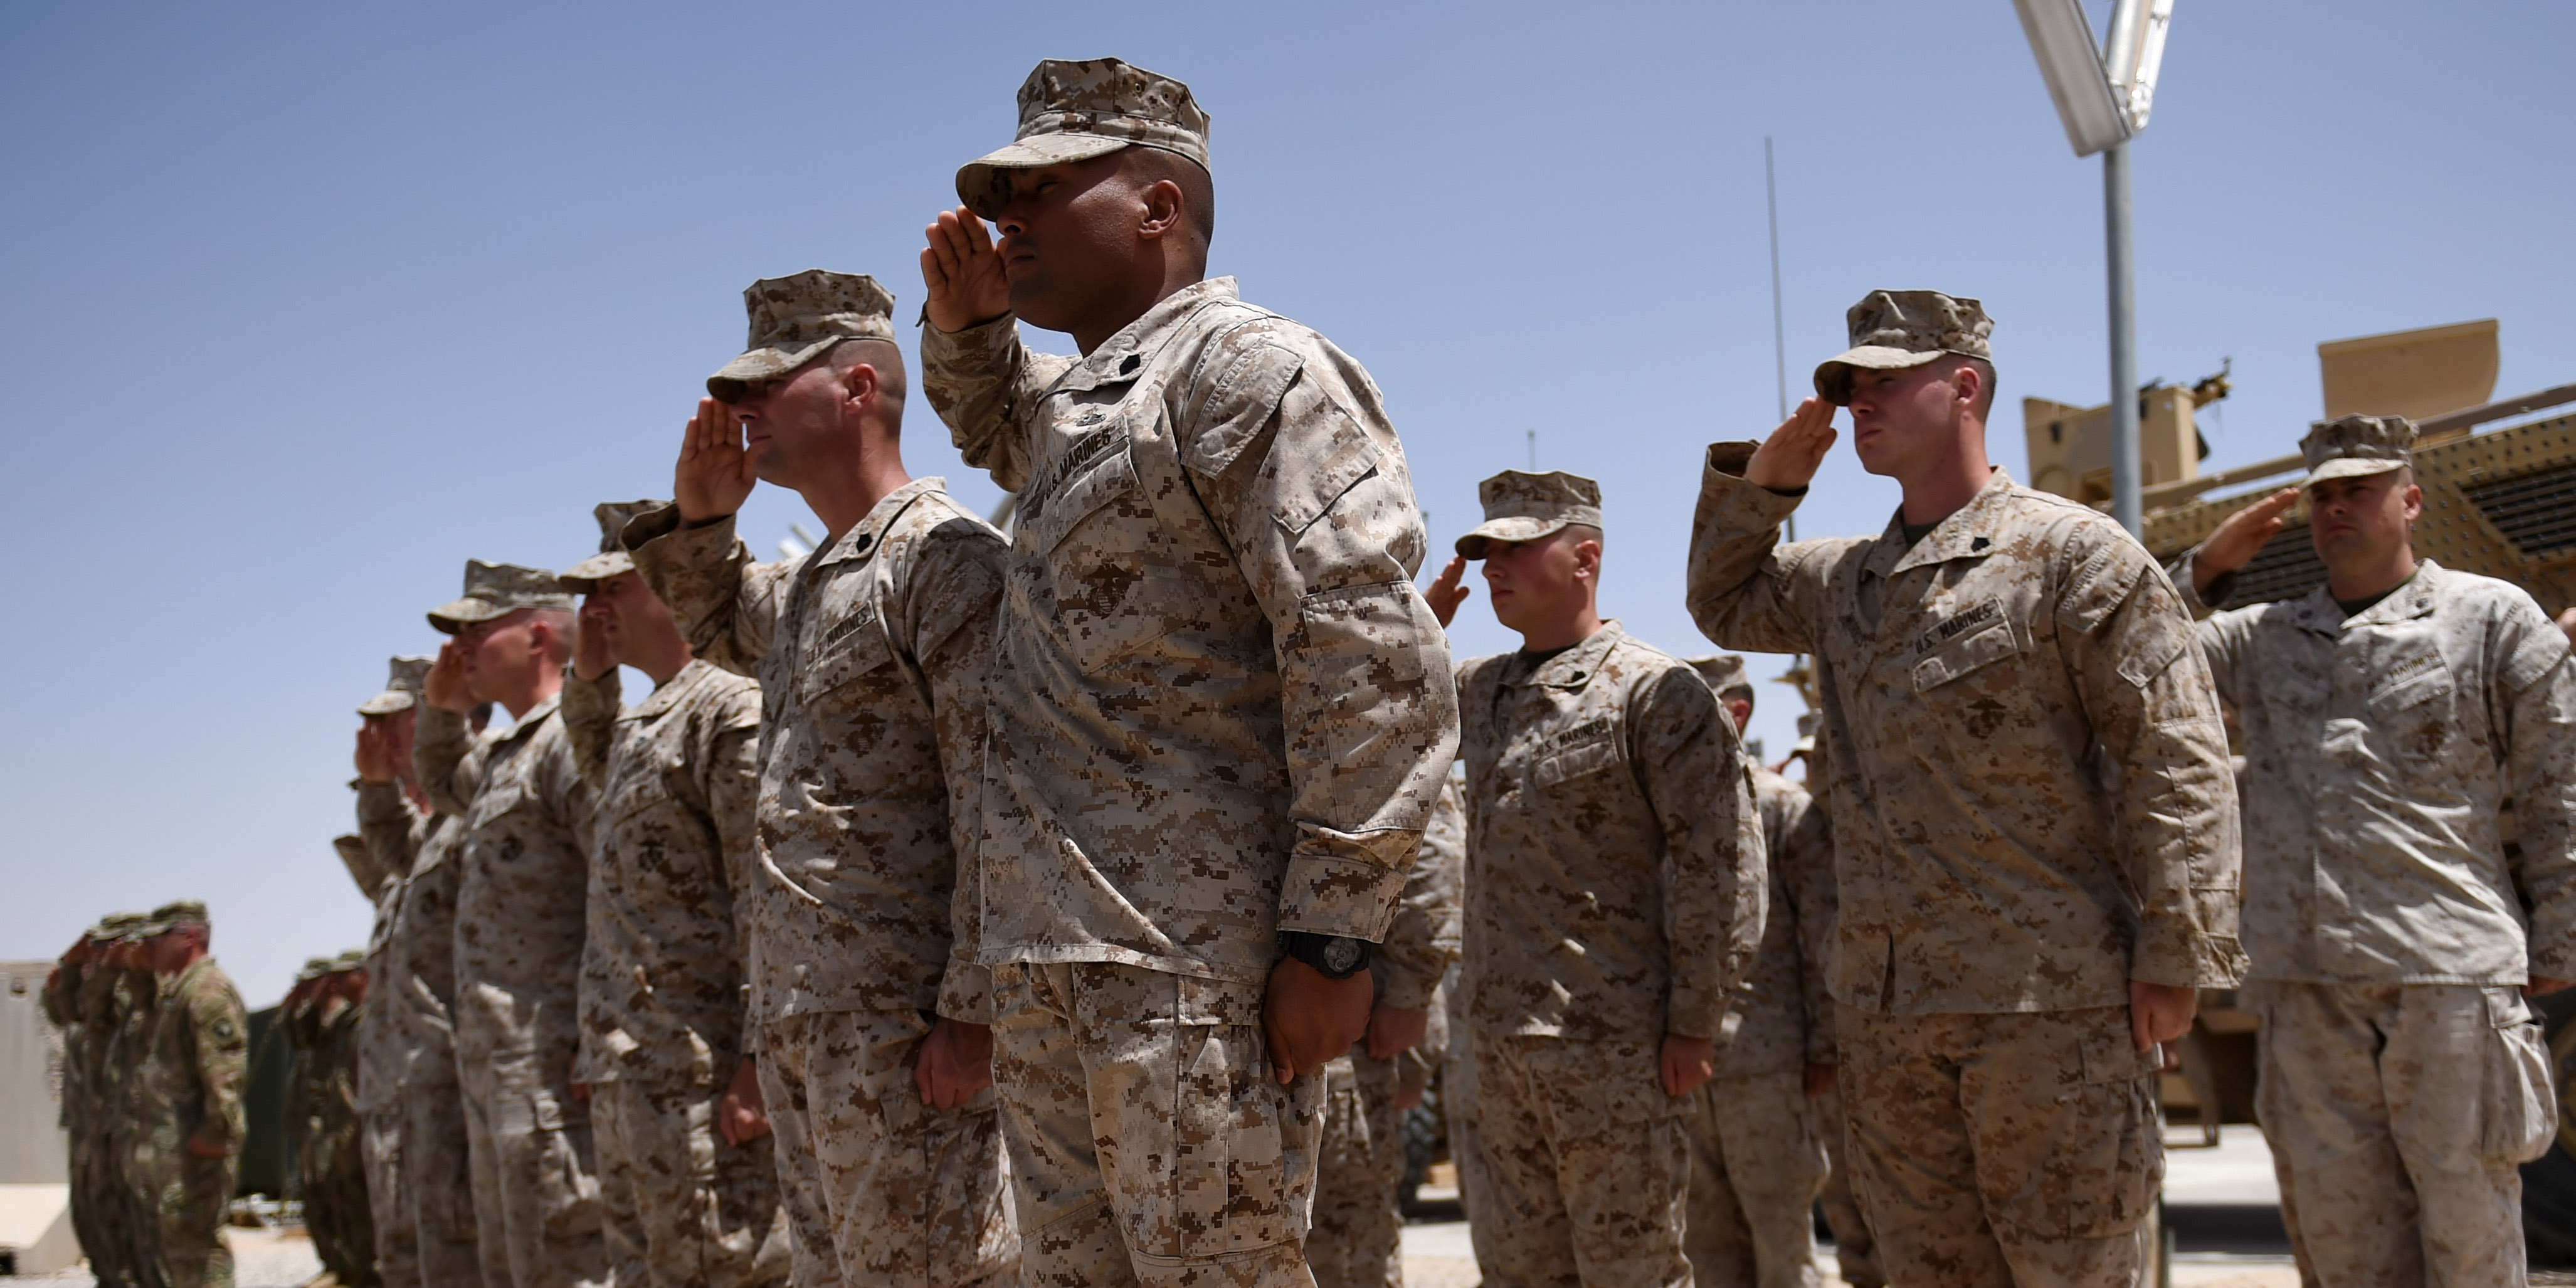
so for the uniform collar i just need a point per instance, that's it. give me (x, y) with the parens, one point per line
(1121, 356)
(2319, 612)
(861, 541)
(1973, 531)
(1575, 667)
(527, 724)
(669, 695)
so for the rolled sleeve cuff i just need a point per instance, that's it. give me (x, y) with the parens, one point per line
(1328, 894)
(2221, 589)
(673, 539)
(1693, 1014)
(2196, 961)
(1741, 506)
(973, 347)
(382, 803)
(966, 992)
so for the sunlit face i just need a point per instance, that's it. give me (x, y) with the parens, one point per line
(1536, 586)
(1905, 419)
(2362, 521)
(785, 420)
(1069, 238)
(499, 657)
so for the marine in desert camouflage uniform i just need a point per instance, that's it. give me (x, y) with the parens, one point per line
(871, 652)
(2388, 717)
(186, 1105)
(521, 883)
(2019, 926)
(1222, 714)
(1357, 1233)
(1615, 897)
(1758, 1135)
(410, 1105)
(673, 870)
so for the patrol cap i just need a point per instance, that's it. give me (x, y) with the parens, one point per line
(1077, 109)
(1723, 671)
(2351, 446)
(795, 318)
(1893, 330)
(349, 959)
(498, 590)
(403, 678)
(1524, 507)
(174, 915)
(118, 925)
(314, 968)
(612, 559)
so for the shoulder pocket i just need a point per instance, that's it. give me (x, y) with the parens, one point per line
(1968, 653)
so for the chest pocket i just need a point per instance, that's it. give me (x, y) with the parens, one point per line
(497, 801)
(1576, 754)
(2412, 708)
(1105, 556)
(846, 649)
(1968, 673)
(1962, 645)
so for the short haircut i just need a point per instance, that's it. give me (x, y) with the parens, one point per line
(1985, 383)
(1198, 187)
(1586, 532)
(1736, 693)
(564, 626)
(892, 384)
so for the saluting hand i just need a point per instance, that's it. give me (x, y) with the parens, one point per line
(715, 474)
(2239, 539)
(1788, 460)
(444, 686)
(1448, 590)
(594, 646)
(962, 270)
(375, 759)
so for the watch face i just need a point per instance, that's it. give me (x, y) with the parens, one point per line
(1341, 956)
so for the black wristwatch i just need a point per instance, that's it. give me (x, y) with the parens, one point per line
(1331, 955)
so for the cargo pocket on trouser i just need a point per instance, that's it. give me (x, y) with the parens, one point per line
(1241, 1174)
(563, 1181)
(2521, 1105)
(2088, 1165)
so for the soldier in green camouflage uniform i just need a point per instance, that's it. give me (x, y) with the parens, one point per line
(131, 996)
(186, 1098)
(321, 1018)
(79, 998)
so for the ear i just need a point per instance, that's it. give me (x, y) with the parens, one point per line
(859, 383)
(1164, 206)
(2414, 502)
(1587, 557)
(1967, 384)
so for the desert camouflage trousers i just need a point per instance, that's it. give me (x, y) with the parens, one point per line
(1855, 1251)
(1757, 1165)
(2396, 1114)
(1587, 1165)
(435, 1178)
(536, 1190)
(2003, 1149)
(1149, 1142)
(1353, 1240)
(881, 1188)
(380, 1132)
(680, 1208)
(1458, 1105)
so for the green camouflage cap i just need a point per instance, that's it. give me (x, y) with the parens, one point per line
(173, 915)
(349, 959)
(498, 590)
(118, 925)
(314, 968)
(2351, 446)
(612, 559)
(795, 319)
(1893, 330)
(403, 678)
(1525, 507)
(1723, 671)
(1077, 109)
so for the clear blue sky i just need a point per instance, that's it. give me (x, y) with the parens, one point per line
(303, 304)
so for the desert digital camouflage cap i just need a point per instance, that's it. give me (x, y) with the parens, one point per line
(403, 678)
(612, 559)
(1892, 330)
(1525, 507)
(1723, 671)
(795, 318)
(2351, 446)
(498, 590)
(1076, 109)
